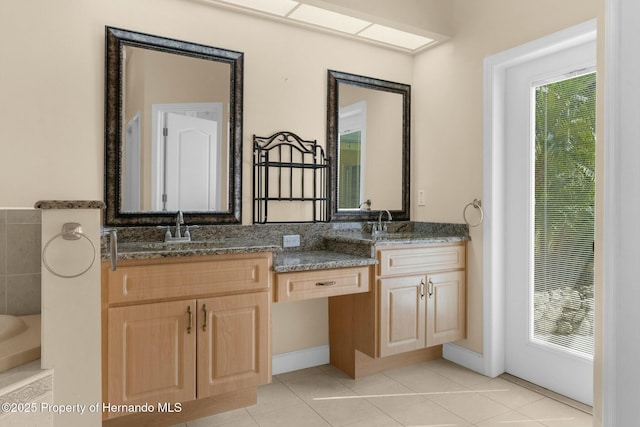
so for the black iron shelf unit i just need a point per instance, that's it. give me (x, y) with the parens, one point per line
(288, 169)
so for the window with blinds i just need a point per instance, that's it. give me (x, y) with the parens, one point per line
(564, 181)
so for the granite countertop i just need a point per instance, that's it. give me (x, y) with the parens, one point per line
(154, 250)
(317, 260)
(324, 246)
(386, 239)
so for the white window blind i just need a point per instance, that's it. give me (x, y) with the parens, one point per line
(564, 192)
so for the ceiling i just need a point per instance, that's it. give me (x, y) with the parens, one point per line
(410, 26)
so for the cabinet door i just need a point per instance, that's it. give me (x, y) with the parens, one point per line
(402, 314)
(152, 353)
(233, 343)
(446, 307)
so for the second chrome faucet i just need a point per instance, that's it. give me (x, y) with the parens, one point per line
(381, 227)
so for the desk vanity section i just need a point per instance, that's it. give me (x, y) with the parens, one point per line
(188, 326)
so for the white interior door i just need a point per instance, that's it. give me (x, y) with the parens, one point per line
(191, 175)
(534, 353)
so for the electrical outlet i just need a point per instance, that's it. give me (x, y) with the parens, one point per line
(291, 241)
(421, 198)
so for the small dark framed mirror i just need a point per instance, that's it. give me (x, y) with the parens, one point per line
(173, 130)
(368, 131)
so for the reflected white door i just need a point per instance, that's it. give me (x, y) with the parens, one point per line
(191, 176)
(543, 344)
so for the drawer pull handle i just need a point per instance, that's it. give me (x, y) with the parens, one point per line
(204, 311)
(329, 283)
(430, 289)
(422, 289)
(190, 324)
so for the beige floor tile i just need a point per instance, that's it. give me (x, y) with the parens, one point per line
(436, 393)
(424, 380)
(471, 406)
(380, 420)
(456, 373)
(426, 413)
(510, 419)
(507, 393)
(316, 385)
(298, 415)
(385, 392)
(343, 411)
(272, 397)
(555, 414)
(236, 418)
(290, 376)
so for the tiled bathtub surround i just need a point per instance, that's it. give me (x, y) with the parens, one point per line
(20, 260)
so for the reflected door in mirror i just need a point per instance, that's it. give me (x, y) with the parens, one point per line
(191, 177)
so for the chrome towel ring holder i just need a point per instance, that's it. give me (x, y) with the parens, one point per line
(70, 231)
(478, 205)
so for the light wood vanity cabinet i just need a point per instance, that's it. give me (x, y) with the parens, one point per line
(187, 330)
(424, 310)
(418, 302)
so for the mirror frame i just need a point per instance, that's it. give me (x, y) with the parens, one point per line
(334, 78)
(115, 40)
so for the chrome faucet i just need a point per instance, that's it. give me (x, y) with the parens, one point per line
(178, 237)
(179, 222)
(380, 227)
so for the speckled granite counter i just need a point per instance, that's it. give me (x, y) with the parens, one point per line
(397, 238)
(317, 260)
(324, 245)
(153, 250)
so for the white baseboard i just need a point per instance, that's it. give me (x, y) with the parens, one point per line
(301, 359)
(464, 357)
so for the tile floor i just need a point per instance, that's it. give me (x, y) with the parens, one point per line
(431, 394)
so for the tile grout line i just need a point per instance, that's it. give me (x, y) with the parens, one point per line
(548, 393)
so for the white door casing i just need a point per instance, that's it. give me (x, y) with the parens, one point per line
(567, 373)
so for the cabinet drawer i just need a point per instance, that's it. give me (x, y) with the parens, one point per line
(227, 274)
(420, 259)
(321, 283)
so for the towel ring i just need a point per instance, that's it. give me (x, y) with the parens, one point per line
(478, 205)
(70, 231)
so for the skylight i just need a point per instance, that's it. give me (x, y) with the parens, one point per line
(274, 7)
(328, 19)
(291, 10)
(395, 37)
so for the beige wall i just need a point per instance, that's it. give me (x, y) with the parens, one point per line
(52, 115)
(52, 129)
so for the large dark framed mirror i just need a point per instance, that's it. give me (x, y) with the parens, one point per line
(173, 131)
(368, 136)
